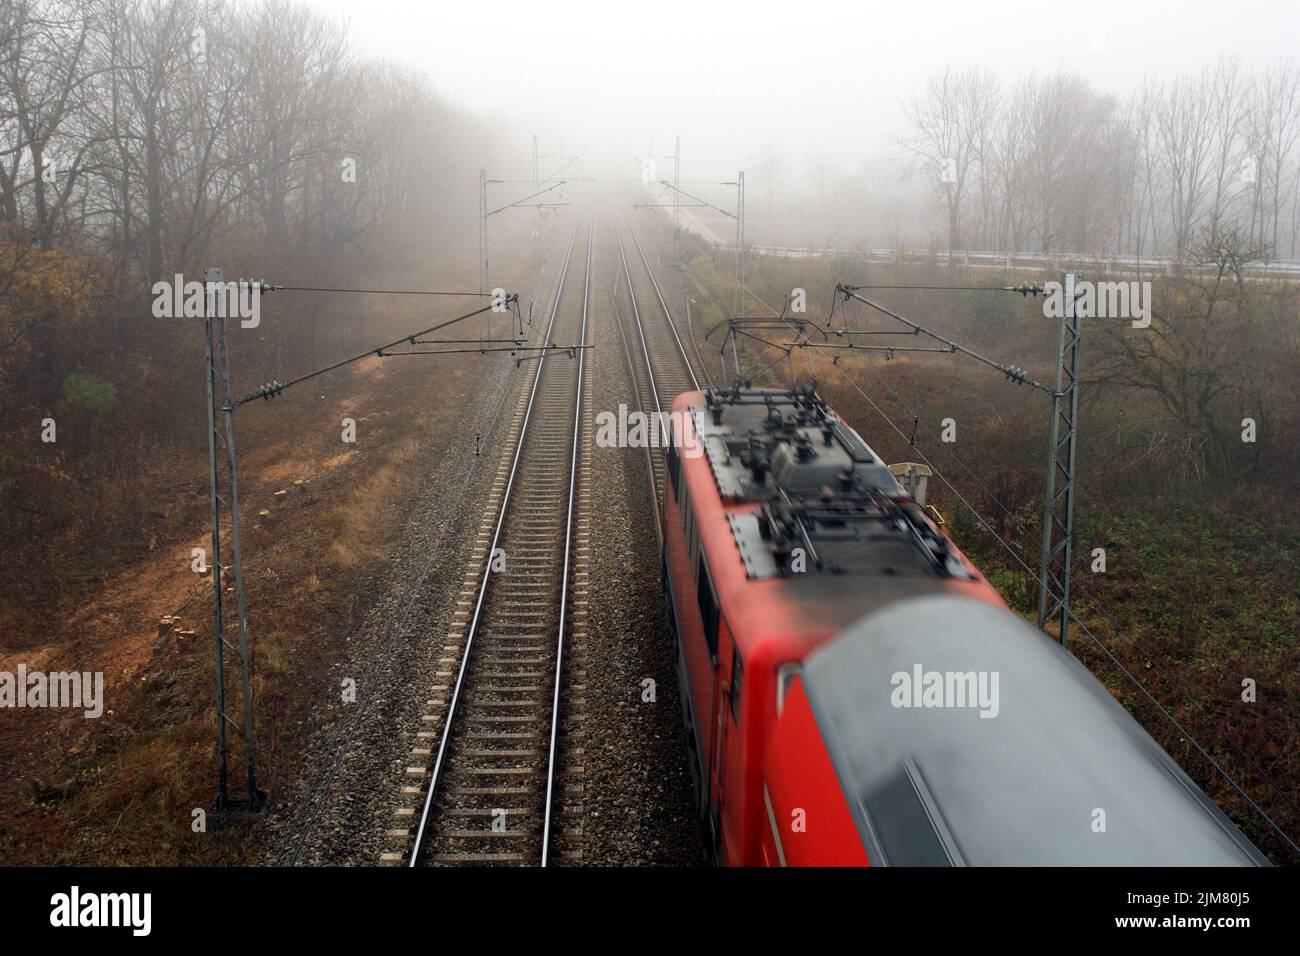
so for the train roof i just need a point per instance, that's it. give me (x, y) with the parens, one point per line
(804, 525)
(899, 698)
(821, 489)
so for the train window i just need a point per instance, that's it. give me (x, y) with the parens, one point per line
(683, 492)
(673, 464)
(688, 531)
(708, 610)
(737, 680)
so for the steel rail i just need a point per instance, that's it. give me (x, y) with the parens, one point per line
(632, 370)
(640, 329)
(636, 379)
(450, 718)
(690, 331)
(568, 545)
(690, 367)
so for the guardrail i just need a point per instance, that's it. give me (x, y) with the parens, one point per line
(1062, 261)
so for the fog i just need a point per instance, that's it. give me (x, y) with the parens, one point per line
(1113, 128)
(335, 151)
(734, 78)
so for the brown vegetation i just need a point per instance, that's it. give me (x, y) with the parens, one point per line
(138, 141)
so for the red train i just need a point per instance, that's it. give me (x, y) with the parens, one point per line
(855, 692)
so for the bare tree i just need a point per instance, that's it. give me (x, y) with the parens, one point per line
(1275, 131)
(1191, 357)
(42, 79)
(1184, 147)
(949, 134)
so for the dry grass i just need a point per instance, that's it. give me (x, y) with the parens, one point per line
(123, 789)
(357, 521)
(130, 795)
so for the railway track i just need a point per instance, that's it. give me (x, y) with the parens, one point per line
(503, 786)
(660, 353)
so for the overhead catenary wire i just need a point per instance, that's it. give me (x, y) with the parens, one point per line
(917, 418)
(572, 160)
(840, 333)
(891, 349)
(1010, 371)
(1154, 660)
(274, 388)
(323, 784)
(663, 304)
(1163, 669)
(1127, 673)
(734, 281)
(1167, 673)
(898, 398)
(471, 630)
(516, 341)
(503, 348)
(520, 202)
(683, 192)
(303, 288)
(951, 288)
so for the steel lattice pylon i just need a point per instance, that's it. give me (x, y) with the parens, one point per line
(1058, 514)
(482, 231)
(215, 339)
(740, 242)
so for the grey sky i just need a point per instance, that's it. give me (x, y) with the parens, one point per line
(805, 76)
